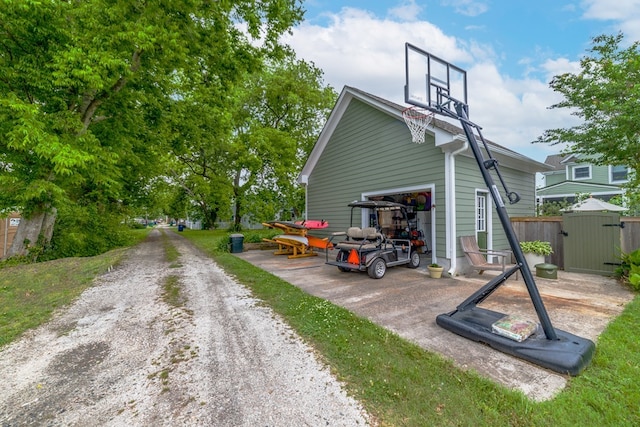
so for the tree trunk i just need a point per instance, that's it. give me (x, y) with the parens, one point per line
(237, 218)
(37, 229)
(211, 216)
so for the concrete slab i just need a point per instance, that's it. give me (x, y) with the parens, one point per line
(407, 302)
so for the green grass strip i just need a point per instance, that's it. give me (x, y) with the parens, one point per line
(171, 253)
(29, 294)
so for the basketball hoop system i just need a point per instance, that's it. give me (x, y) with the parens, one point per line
(445, 87)
(417, 120)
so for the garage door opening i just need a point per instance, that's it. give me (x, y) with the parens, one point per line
(420, 203)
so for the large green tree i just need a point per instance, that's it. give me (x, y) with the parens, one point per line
(85, 87)
(243, 153)
(278, 117)
(197, 132)
(605, 95)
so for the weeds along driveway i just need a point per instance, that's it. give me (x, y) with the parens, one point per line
(407, 302)
(122, 356)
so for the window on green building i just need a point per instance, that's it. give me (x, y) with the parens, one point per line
(618, 173)
(582, 172)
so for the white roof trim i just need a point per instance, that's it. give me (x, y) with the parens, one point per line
(608, 188)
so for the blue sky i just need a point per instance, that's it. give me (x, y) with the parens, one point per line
(510, 49)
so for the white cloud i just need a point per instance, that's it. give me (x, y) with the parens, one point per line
(407, 11)
(514, 112)
(467, 7)
(554, 67)
(359, 49)
(619, 10)
(624, 14)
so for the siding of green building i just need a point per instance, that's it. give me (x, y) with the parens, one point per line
(372, 151)
(469, 179)
(570, 188)
(555, 178)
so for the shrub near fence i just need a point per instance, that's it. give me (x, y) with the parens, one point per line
(549, 229)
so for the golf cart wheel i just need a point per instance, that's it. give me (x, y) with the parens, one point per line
(414, 260)
(342, 257)
(377, 269)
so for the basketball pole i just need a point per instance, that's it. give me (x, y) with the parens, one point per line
(529, 281)
(554, 349)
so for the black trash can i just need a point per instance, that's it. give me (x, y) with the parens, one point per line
(180, 227)
(237, 241)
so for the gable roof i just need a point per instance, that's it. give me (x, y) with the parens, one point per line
(588, 187)
(510, 157)
(555, 161)
(570, 158)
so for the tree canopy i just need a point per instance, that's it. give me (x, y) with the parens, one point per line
(605, 94)
(86, 88)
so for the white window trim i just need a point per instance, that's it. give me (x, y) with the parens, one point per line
(489, 215)
(573, 173)
(612, 181)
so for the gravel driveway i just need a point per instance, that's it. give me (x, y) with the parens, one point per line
(121, 356)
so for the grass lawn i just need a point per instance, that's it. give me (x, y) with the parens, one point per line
(399, 383)
(29, 294)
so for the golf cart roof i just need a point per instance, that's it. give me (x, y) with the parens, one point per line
(376, 204)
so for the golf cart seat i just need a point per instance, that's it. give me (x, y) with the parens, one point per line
(361, 238)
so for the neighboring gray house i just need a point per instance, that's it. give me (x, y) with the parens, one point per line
(365, 151)
(572, 175)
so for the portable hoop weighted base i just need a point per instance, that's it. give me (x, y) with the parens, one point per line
(552, 348)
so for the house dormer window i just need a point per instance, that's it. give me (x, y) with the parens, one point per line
(581, 172)
(618, 174)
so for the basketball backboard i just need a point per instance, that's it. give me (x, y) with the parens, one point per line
(431, 82)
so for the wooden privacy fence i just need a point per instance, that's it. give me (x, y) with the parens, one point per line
(549, 229)
(8, 228)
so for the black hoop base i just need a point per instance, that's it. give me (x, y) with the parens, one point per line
(568, 354)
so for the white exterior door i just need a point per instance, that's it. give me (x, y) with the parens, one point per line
(482, 229)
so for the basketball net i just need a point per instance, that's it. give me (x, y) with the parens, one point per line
(417, 120)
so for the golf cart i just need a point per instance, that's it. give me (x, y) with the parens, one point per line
(389, 241)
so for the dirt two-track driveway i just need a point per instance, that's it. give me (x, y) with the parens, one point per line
(121, 356)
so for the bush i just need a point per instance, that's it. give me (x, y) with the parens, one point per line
(629, 270)
(136, 225)
(86, 231)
